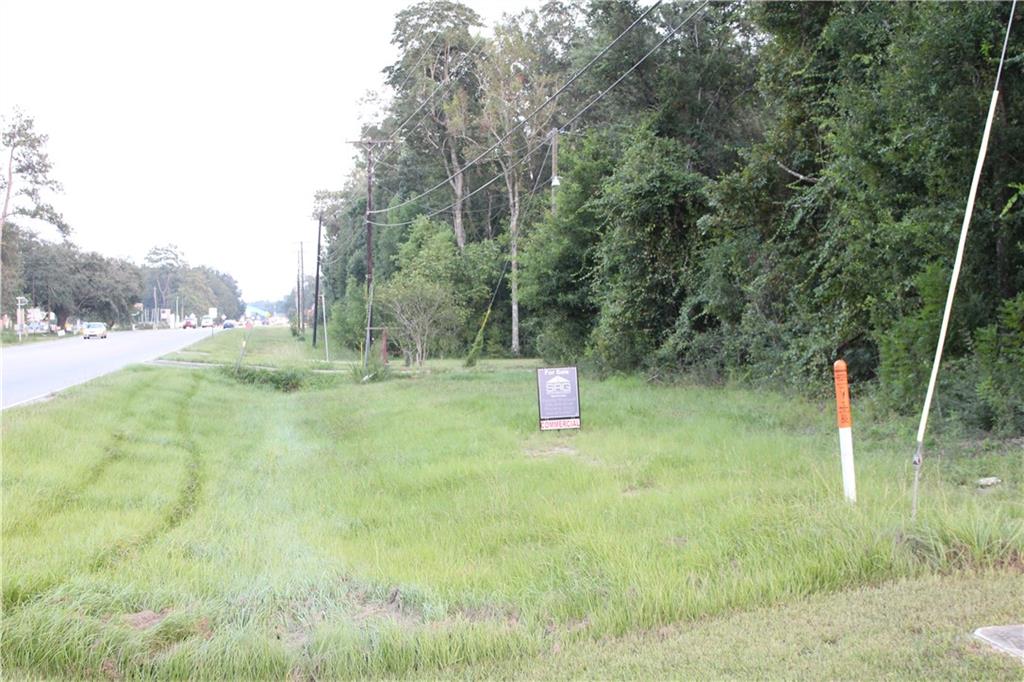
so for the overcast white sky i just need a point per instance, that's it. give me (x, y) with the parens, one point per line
(204, 124)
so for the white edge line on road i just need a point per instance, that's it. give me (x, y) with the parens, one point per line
(38, 398)
(52, 394)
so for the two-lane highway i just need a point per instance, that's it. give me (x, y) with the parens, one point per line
(35, 370)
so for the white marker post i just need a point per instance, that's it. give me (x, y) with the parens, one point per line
(845, 430)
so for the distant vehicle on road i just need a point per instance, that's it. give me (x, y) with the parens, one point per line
(188, 324)
(94, 330)
(229, 324)
(207, 321)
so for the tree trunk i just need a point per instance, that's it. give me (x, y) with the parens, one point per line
(458, 190)
(7, 196)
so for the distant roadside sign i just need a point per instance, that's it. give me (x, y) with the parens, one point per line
(558, 398)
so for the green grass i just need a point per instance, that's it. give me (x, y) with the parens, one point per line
(424, 526)
(10, 338)
(276, 347)
(911, 629)
(265, 346)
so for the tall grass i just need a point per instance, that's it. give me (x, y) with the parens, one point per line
(416, 525)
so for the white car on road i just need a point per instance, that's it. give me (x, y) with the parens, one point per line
(94, 330)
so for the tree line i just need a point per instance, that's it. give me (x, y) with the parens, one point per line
(61, 278)
(744, 191)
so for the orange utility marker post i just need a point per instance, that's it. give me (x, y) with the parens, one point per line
(845, 430)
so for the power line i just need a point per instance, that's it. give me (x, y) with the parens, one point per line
(422, 55)
(440, 86)
(523, 122)
(474, 192)
(575, 116)
(630, 70)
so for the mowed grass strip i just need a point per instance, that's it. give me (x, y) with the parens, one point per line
(276, 347)
(910, 629)
(265, 346)
(212, 529)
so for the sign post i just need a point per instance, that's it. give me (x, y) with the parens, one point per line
(558, 398)
(22, 302)
(845, 430)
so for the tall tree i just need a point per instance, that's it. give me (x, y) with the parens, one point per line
(26, 175)
(516, 83)
(437, 89)
(167, 267)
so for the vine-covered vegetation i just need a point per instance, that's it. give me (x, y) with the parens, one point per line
(776, 186)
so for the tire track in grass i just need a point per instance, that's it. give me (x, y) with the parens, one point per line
(183, 508)
(67, 494)
(188, 494)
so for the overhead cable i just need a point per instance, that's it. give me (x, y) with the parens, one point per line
(529, 116)
(575, 116)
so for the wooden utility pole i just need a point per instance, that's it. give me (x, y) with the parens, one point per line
(368, 341)
(302, 284)
(298, 288)
(369, 255)
(554, 167)
(316, 295)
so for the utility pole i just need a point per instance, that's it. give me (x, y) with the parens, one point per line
(369, 255)
(298, 305)
(555, 182)
(302, 284)
(316, 294)
(327, 345)
(155, 308)
(368, 341)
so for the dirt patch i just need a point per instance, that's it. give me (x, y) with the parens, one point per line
(637, 488)
(109, 669)
(678, 541)
(299, 620)
(143, 620)
(489, 613)
(552, 451)
(203, 628)
(572, 627)
(393, 608)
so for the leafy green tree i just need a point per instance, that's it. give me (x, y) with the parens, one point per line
(560, 255)
(515, 86)
(422, 313)
(224, 292)
(650, 206)
(106, 288)
(50, 278)
(436, 84)
(165, 271)
(347, 325)
(26, 175)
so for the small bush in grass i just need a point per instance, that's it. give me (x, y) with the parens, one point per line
(375, 371)
(286, 380)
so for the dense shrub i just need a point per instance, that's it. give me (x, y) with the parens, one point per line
(286, 380)
(999, 353)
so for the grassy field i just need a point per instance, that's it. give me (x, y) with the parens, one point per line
(10, 338)
(265, 346)
(276, 347)
(166, 522)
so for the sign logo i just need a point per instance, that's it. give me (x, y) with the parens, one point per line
(557, 387)
(558, 399)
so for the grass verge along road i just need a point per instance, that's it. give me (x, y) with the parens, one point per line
(169, 523)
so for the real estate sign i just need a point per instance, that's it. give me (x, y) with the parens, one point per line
(558, 398)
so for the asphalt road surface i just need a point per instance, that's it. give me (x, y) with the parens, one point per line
(35, 370)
